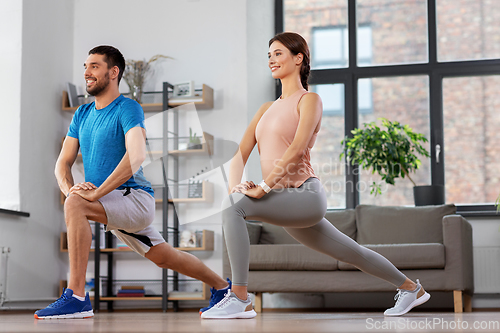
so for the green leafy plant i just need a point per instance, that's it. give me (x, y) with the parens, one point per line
(136, 72)
(391, 152)
(194, 141)
(497, 203)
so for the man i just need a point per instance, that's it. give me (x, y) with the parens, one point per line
(111, 135)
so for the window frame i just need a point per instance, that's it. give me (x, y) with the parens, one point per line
(435, 70)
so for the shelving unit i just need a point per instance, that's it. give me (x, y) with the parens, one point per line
(204, 100)
(207, 191)
(207, 244)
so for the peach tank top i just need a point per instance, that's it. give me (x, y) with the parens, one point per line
(274, 134)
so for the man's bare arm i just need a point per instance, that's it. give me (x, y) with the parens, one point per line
(65, 161)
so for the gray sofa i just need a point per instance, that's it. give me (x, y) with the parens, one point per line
(430, 243)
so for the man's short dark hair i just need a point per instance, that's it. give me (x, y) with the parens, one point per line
(112, 56)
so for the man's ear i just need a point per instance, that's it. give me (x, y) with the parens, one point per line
(114, 72)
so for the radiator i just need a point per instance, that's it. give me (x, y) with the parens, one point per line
(486, 270)
(4, 255)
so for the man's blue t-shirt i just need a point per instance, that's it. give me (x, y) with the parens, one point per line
(101, 134)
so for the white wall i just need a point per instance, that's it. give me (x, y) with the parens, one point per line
(10, 94)
(35, 261)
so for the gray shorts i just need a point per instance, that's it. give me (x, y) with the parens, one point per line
(130, 214)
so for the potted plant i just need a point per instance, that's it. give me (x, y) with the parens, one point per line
(136, 72)
(391, 152)
(497, 203)
(194, 141)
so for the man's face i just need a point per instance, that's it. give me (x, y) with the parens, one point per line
(96, 74)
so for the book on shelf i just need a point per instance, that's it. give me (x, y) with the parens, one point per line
(132, 287)
(130, 295)
(131, 291)
(121, 245)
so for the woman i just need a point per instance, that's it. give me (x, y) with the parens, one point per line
(285, 131)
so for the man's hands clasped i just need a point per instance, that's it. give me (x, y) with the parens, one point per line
(86, 190)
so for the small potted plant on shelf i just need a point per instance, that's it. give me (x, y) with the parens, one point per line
(391, 152)
(136, 72)
(194, 141)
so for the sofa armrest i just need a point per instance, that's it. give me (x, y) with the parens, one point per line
(457, 240)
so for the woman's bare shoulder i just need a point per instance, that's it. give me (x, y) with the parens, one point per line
(311, 97)
(309, 100)
(263, 108)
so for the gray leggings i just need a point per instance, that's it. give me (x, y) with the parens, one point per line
(301, 212)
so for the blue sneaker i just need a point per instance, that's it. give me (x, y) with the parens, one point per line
(216, 297)
(67, 306)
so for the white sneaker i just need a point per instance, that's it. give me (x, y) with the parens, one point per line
(407, 300)
(230, 307)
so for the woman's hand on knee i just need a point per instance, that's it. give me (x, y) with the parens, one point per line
(241, 188)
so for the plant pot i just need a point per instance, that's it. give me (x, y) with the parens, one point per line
(428, 195)
(195, 146)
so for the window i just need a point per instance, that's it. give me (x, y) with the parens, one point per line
(404, 99)
(471, 121)
(468, 29)
(330, 50)
(412, 63)
(398, 32)
(325, 153)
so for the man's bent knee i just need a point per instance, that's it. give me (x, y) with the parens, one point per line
(74, 204)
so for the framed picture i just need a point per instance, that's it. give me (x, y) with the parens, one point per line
(72, 95)
(184, 89)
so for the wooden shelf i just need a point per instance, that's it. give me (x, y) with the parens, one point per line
(65, 103)
(207, 147)
(205, 101)
(172, 296)
(207, 244)
(207, 195)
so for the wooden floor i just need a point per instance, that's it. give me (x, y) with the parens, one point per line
(190, 322)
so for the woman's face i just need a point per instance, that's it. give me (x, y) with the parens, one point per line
(282, 62)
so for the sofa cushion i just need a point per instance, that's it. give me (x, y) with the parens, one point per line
(289, 257)
(407, 256)
(401, 225)
(273, 234)
(344, 220)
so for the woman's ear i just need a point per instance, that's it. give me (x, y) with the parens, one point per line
(298, 59)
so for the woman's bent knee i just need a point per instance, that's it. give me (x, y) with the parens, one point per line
(232, 200)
